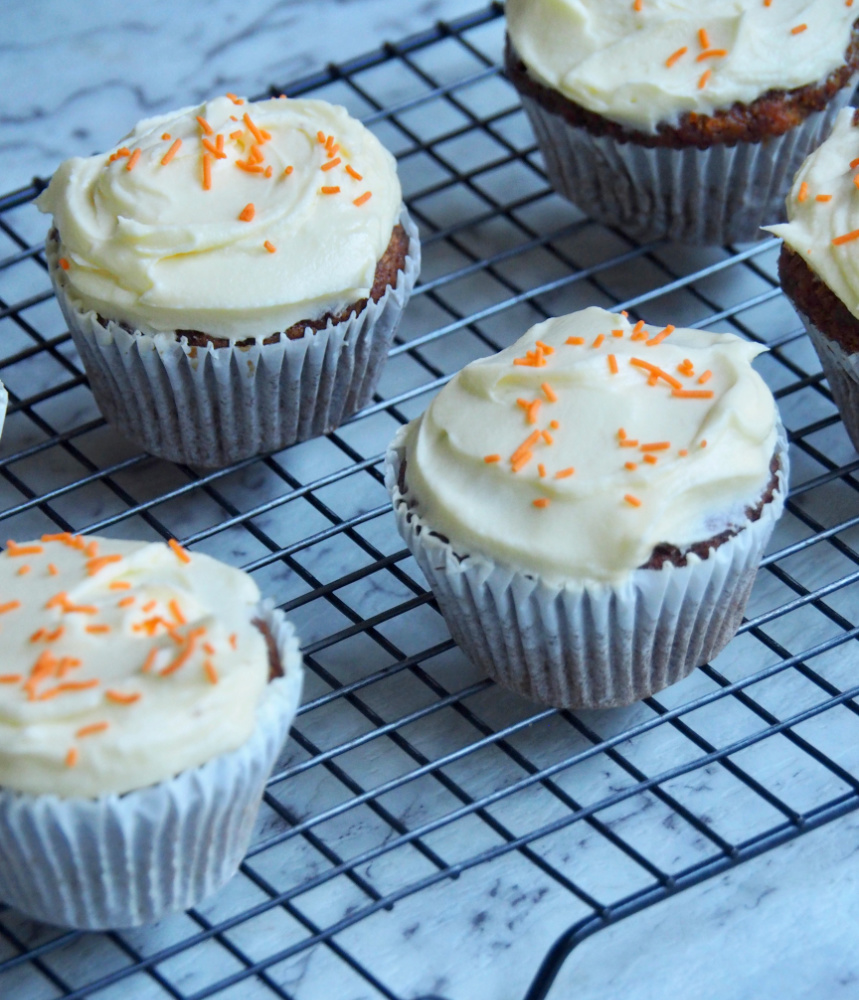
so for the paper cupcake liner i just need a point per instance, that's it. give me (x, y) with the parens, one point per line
(722, 194)
(4, 402)
(588, 645)
(842, 373)
(212, 406)
(125, 860)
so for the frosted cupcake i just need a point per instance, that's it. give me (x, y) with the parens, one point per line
(590, 505)
(232, 274)
(145, 694)
(819, 262)
(669, 118)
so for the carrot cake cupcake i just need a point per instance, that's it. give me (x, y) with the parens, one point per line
(673, 118)
(232, 274)
(145, 693)
(590, 505)
(819, 262)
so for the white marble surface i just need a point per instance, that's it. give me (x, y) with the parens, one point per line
(75, 76)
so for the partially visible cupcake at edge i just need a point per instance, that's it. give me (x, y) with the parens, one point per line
(675, 118)
(590, 506)
(232, 274)
(145, 694)
(819, 261)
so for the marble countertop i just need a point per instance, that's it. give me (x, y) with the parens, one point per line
(76, 76)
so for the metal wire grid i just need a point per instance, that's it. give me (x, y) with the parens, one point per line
(412, 785)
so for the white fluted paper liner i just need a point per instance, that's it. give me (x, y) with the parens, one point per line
(4, 402)
(588, 645)
(125, 860)
(213, 406)
(842, 373)
(722, 194)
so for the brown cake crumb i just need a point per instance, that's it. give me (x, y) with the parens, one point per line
(771, 114)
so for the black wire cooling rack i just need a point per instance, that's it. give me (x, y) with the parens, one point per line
(416, 798)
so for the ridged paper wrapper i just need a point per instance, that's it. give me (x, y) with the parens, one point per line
(126, 860)
(588, 644)
(212, 406)
(841, 369)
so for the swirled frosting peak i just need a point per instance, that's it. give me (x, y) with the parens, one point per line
(823, 212)
(233, 219)
(653, 61)
(590, 441)
(123, 663)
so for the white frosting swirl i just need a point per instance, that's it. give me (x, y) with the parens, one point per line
(613, 59)
(152, 246)
(814, 224)
(604, 519)
(86, 658)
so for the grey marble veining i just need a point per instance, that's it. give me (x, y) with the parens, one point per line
(73, 77)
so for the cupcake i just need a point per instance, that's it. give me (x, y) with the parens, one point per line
(145, 693)
(676, 119)
(590, 505)
(819, 261)
(232, 274)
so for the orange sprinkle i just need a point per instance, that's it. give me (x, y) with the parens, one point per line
(180, 552)
(823, 197)
(330, 190)
(70, 686)
(657, 371)
(207, 172)
(628, 443)
(366, 196)
(97, 629)
(617, 333)
(287, 171)
(247, 213)
(621, 433)
(612, 364)
(639, 326)
(23, 571)
(705, 377)
(219, 154)
(637, 5)
(704, 443)
(547, 437)
(94, 565)
(148, 606)
(550, 392)
(234, 99)
(126, 602)
(489, 459)
(711, 54)
(256, 154)
(575, 341)
(631, 500)
(554, 424)
(632, 466)
(205, 126)
(72, 757)
(656, 446)
(268, 171)
(331, 164)
(320, 137)
(533, 410)
(211, 673)
(541, 502)
(132, 163)
(651, 459)
(255, 132)
(171, 152)
(655, 341)
(91, 730)
(598, 340)
(798, 30)
(238, 134)
(846, 238)
(10, 678)
(544, 347)
(854, 163)
(165, 136)
(703, 38)
(705, 76)
(270, 246)
(119, 585)
(516, 464)
(91, 549)
(149, 662)
(803, 191)
(233, 640)
(121, 698)
(352, 172)
(856, 180)
(564, 473)
(13, 549)
(693, 393)
(251, 168)
(541, 470)
(683, 453)
(669, 62)
(64, 264)
(526, 445)
(331, 150)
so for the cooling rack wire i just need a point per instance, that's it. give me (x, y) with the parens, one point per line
(414, 795)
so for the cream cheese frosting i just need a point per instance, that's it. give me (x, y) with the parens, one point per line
(591, 440)
(654, 61)
(823, 212)
(230, 218)
(123, 664)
